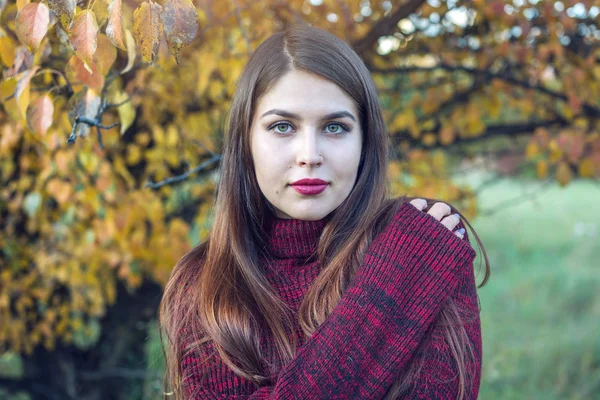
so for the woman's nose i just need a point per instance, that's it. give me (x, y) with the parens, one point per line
(309, 152)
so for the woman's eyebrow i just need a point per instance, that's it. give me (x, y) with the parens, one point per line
(337, 114)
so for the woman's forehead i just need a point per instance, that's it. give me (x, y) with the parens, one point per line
(307, 94)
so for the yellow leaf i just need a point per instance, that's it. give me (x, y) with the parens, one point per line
(215, 90)
(121, 169)
(134, 154)
(475, 126)
(429, 139)
(532, 150)
(89, 161)
(22, 3)
(209, 62)
(542, 169)
(494, 107)
(126, 111)
(158, 134)
(7, 88)
(64, 10)
(567, 111)
(7, 49)
(105, 54)
(555, 151)
(100, 9)
(148, 29)
(563, 174)
(172, 136)
(129, 39)
(586, 168)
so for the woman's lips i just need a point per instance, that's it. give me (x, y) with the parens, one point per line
(309, 189)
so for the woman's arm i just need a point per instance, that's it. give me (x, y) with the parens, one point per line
(438, 378)
(408, 273)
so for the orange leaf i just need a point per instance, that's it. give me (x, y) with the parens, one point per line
(447, 135)
(31, 23)
(83, 36)
(60, 190)
(78, 72)
(180, 20)
(114, 29)
(39, 114)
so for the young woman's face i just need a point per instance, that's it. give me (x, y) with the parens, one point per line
(305, 127)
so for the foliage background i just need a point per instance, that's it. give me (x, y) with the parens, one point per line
(111, 122)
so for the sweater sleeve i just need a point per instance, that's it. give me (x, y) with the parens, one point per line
(438, 378)
(408, 273)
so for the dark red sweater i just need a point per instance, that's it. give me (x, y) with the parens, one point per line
(391, 307)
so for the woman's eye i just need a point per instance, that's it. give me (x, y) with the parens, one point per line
(281, 125)
(338, 128)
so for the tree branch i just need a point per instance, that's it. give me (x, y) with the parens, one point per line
(185, 175)
(492, 130)
(386, 25)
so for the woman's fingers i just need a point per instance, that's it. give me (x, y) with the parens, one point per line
(440, 212)
(451, 221)
(420, 204)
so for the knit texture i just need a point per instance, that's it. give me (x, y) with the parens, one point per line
(387, 318)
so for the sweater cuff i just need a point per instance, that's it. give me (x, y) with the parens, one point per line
(412, 219)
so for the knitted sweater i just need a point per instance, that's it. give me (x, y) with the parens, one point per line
(387, 318)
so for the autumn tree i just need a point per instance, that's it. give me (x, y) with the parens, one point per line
(112, 116)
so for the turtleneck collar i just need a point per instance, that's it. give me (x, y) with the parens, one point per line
(294, 238)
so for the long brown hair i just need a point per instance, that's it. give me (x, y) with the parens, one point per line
(218, 292)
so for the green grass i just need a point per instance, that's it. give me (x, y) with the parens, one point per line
(541, 307)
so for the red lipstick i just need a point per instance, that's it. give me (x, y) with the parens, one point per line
(310, 186)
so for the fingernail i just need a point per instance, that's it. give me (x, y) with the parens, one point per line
(461, 231)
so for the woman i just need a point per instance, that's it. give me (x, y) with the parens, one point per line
(314, 283)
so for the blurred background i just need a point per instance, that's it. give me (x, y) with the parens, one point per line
(112, 116)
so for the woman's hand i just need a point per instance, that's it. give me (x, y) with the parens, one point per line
(440, 212)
